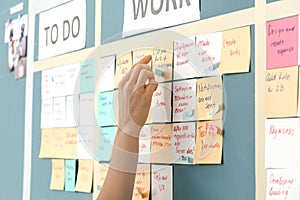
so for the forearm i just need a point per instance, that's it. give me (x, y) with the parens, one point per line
(121, 174)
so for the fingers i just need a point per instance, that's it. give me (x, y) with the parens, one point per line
(136, 72)
(152, 86)
(144, 76)
(144, 60)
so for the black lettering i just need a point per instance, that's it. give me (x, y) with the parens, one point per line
(136, 10)
(155, 12)
(56, 27)
(78, 30)
(174, 5)
(46, 29)
(65, 37)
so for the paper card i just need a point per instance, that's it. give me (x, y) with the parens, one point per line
(123, 65)
(162, 63)
(236, 50)
(141, 189)
(183, 143)
(281, 89)
(59, 81)
(72, 79)
(47, 84)
(87, 109)
(138, 54)
(105, 111)
(57, 175)
(86, 135)
(282, 184)
(84, 179)
(162, 182)
(59, 143)
(70, 175)
(59, 112)
(47, 113)
(208, 54)
(209, 98)
(72, 110)
(282, 143)
(105, 143)
(144, 145)
(209, 142)
(161, 143)
(105, 80)
(282, 42)
(184, 100)
(160, 110)
(100, 172)
(184, 57)
(87, 76)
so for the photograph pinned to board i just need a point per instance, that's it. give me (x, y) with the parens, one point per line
(16, 37)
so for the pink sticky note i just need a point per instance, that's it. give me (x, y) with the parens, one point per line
(282, 42)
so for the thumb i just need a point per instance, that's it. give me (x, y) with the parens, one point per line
(152, 86)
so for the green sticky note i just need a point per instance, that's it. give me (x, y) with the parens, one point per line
(87, 76)
(159, 73)
(105, 113)
(70, 175)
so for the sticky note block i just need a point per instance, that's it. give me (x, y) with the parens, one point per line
(86, 138)
(59, 112)
(184, 100)
(138, 54)
(144, 145)
(161, 143)
(87, 109)
(106, 74)
(282, 184)
(160, 110)
(209, 98)
(162, 182)
(209, 142)
(141, 189)
(282, 143)
(162, 62)
(72, 110)
(106, 111)
(70, 175)
(236, 50)
(183, 143)
(281, 90)
(100, 172)
(208, 54)
(72, 79)
(123, 65)
(47, 113)
(87, 76)
(57, 174)
(84, 180)
(105, 143)
(59, 76)
(184, 55)
(282, 42)
(47, 84)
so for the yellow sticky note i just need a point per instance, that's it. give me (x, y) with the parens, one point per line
(123, 65)
(281, 89)
(84, 179)
(100, 172)
(209, 98)
(162, 64)
(138, 54)
(58, 174)
(141, 188)
(161, 143)
(236, 48)
(209, 142)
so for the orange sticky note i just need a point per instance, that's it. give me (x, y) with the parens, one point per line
(58, 174)
(141, 188)
(100, 172)
(162, 60)
(138, 54)
(123, 65)
(84, 179)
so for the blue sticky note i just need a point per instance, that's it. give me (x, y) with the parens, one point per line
(105, 143)
(70, 175)
(87, 76)
(105, 113)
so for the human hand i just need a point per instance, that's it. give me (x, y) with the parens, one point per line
(135, 94)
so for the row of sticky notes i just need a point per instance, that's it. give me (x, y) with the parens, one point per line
(182, 143)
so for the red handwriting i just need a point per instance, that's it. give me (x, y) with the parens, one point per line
(281, 131)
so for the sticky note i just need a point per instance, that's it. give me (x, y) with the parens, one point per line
(87, 76)
(138, 54)
(47, 113)
(47, 84)
(209, 98)
(59, 112)
(87, 109)
(123, 65)
(106, 109)
(144, 144)
(86, 138)
(72, 111)
(282, 42)
(184, 100)
(280, 84)
(72, 79)
(161, 143)
(183, 142)
(162, 62)
(236, 51)
(160, 110)
(209, 142)
(59, 76)
(106, 74)
(208, 54)
(162, 182)
(100, 172)
(141, 189)
(282, 184)
(57, 174)
(105, 143)
(70, 175)
(84, 180)
(184, 55)
(282, 143)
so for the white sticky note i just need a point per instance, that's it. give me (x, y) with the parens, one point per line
(144, 145)
(87, 111)
(47, 113)
(59, 81)
(59, 111)
(47, 84)
(105, 80)
(72, 79)
(162, 182)
(72, 110)
(282, 143)
(85, 148)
